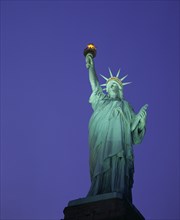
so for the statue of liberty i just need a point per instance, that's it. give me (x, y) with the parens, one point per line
(114, 128)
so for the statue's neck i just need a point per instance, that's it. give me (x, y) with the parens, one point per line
(115, 98)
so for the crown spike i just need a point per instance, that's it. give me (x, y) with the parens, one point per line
(118, 73)
(110, 72)
(126, 83)
(124, 77)
(104, 77)
(103, 85)
(104, 89)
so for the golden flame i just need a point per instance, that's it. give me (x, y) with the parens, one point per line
(91, 46)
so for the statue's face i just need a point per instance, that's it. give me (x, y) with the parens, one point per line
(114, 90)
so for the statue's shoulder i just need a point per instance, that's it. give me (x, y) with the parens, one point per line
(97, 96)
(128, 105)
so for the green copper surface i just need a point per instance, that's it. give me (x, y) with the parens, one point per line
(114, 128)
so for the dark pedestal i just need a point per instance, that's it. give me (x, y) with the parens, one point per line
(102, 207)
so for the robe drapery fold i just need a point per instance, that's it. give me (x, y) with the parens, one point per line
(110, 141)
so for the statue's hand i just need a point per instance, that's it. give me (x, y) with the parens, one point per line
(140, 119)
(89, 61)
(142, 116)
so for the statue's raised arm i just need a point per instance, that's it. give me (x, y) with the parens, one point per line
(90, 53)
(92, 72)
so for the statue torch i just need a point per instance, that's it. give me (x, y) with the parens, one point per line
(90, 49)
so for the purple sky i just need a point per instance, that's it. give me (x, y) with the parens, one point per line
(45, 92)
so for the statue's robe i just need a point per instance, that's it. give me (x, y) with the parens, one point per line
(111, 140)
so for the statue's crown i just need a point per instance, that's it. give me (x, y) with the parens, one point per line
(115, 78)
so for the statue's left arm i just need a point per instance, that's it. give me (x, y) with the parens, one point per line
(138, 127)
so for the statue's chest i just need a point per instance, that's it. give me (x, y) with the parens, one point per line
(114, 106)
(113, 109)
